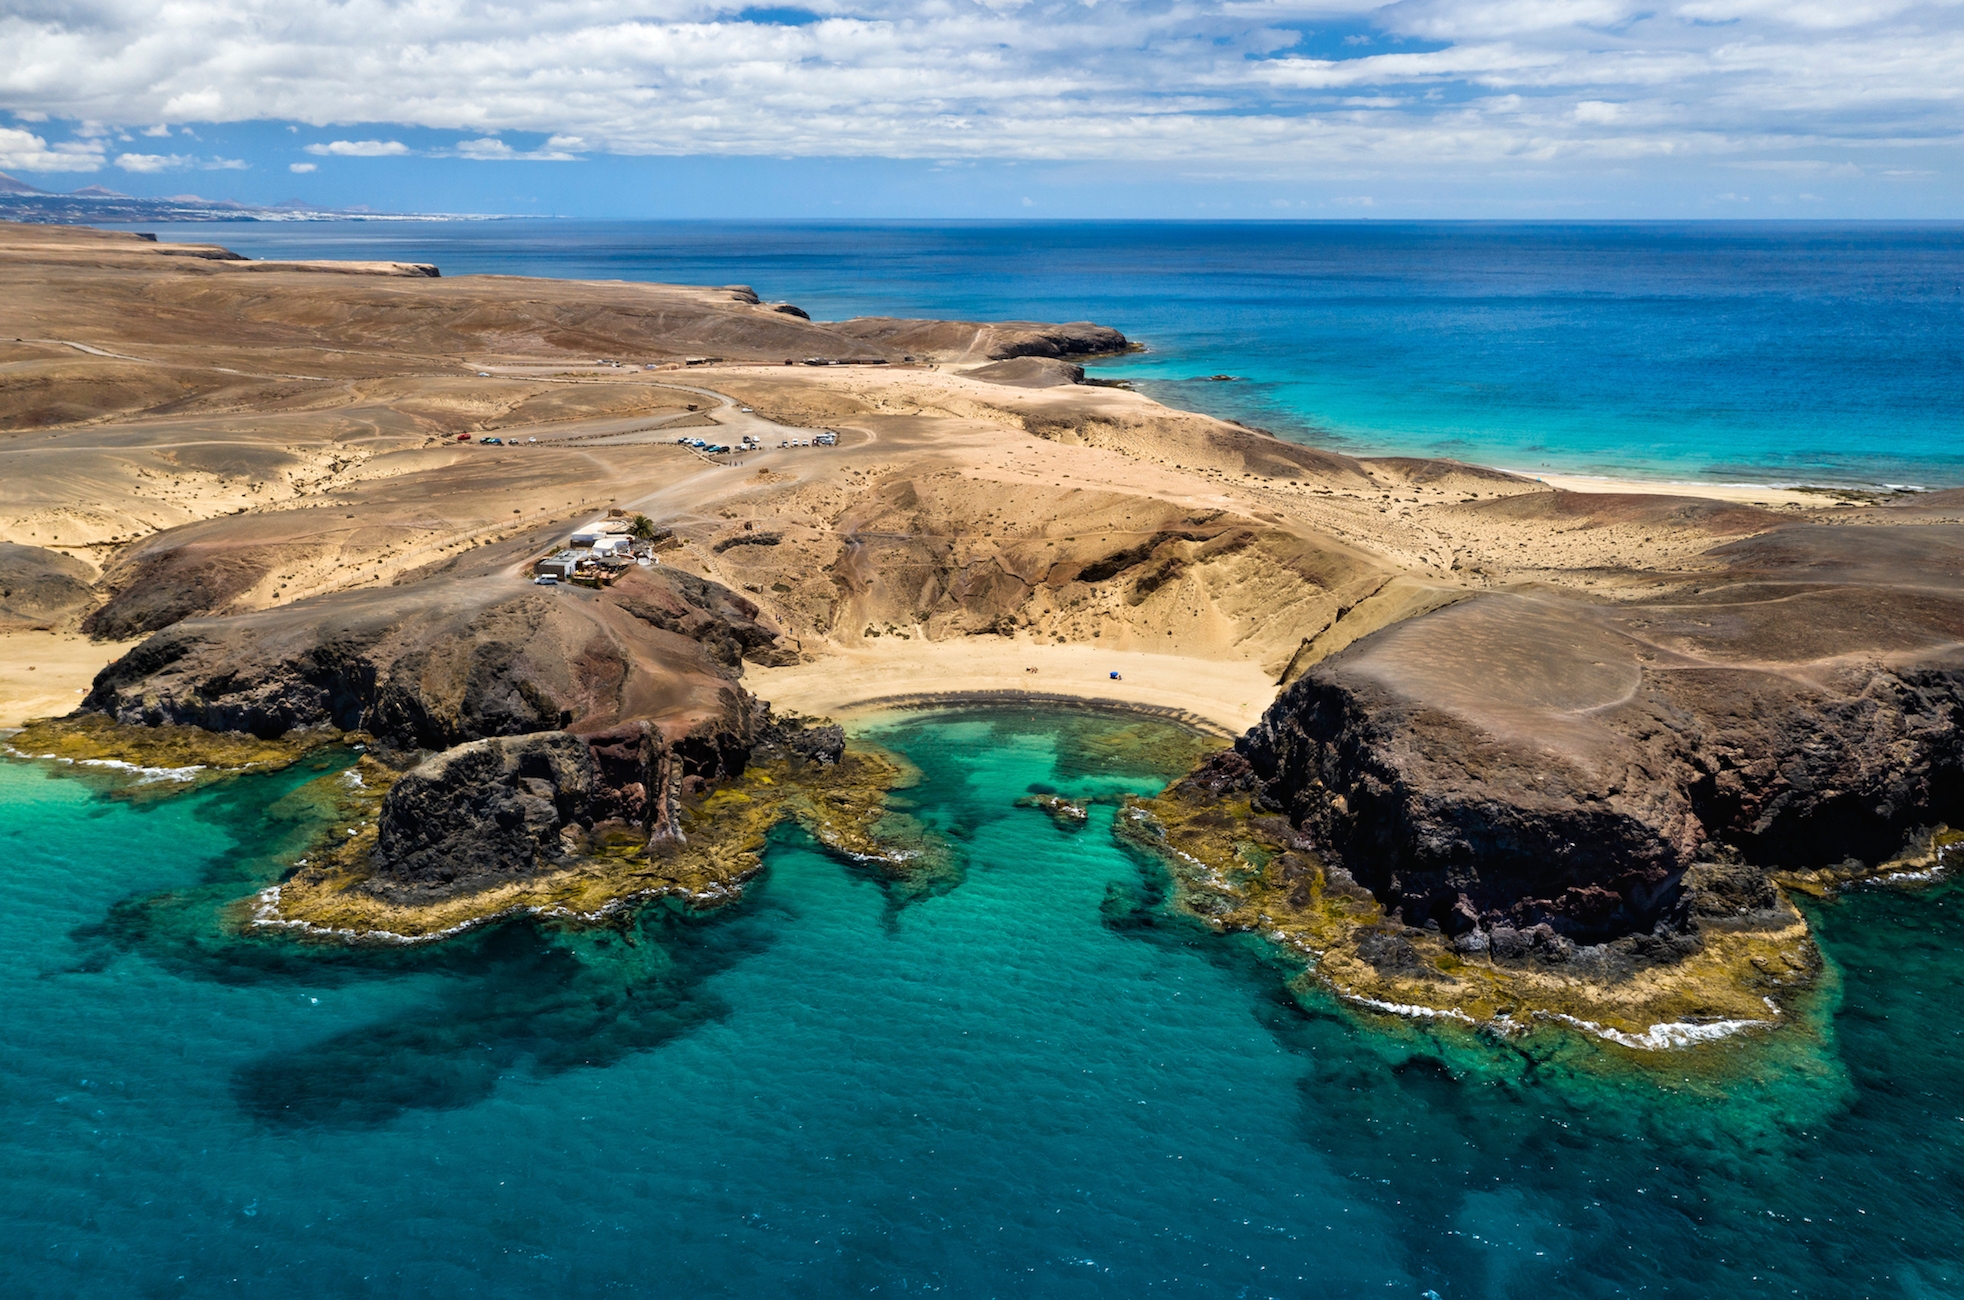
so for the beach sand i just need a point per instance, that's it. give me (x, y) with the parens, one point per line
(1224, 696)
(1751, 494)
(45, 674)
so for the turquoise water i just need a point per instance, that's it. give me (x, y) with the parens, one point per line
(1807, 352)
(1029, 1081)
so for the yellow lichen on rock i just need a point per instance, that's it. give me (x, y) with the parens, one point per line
(1236, 870)
(842, 805)
(189, 752)
(1925, 853)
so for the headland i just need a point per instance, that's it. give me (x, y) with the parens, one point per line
(1504, 750)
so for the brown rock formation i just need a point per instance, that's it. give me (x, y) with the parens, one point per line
(1519, 760)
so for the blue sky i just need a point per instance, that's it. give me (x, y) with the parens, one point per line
(1245, 108)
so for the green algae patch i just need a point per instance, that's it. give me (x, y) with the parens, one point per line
(163, 759)
(1236, 870)
(725, 829)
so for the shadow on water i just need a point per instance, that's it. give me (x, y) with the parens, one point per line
(528, 995)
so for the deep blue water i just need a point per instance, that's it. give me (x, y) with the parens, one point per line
(1032, 1081)
(1782, 352)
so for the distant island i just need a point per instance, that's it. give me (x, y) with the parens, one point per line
(20, 201)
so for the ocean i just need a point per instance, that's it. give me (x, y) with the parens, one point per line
(1777, 352)
(1030, 1079)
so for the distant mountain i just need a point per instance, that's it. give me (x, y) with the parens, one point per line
(20, 201)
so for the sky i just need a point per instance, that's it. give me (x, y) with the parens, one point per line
(1565, 109)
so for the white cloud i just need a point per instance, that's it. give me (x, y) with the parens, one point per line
(484, 149)
(159, 130)
(360, 149)
(302, 168)
(492, 149)
(153, 162)
(1233, 83)
(150, 163)
(22, 151)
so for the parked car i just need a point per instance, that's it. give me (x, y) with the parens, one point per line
(545, 580)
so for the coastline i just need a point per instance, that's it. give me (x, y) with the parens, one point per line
(935, 515)
(1752, 494)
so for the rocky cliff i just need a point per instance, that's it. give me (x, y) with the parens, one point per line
(549, 710)
(505, 808)
(1518, 761)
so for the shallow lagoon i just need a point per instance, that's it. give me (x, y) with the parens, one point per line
(1026, 1079)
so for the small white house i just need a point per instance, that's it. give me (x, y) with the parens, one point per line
(561, 565)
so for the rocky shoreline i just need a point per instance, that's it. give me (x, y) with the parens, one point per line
(529, 826)
(1498, 812)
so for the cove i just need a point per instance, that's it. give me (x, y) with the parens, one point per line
(1029, 1077)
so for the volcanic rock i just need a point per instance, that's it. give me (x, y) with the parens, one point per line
(480, 813)
(1603, 770)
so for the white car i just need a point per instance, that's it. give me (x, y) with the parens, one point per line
(545, 580)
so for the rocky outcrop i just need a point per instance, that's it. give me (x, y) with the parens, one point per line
(508, 808)
(484, 812)
(40, 588)
(938, 340)
(1515, 762)
(559, 719)
(438, 663)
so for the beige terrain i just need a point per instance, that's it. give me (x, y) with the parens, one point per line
(203, 441)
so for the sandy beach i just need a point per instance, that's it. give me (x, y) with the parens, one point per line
(45, 674)
(1220, 696)
(1753, 494)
